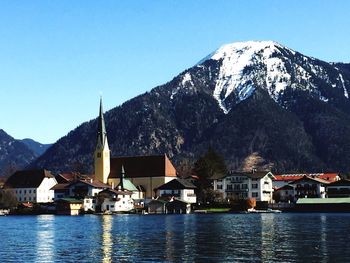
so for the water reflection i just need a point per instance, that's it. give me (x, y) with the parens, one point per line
(107, 242)
(45, 236)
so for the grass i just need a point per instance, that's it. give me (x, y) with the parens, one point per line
(217, 210)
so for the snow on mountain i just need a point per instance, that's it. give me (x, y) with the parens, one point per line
(245, 66)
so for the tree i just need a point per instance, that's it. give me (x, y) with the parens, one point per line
(209, 166)
(7, 199)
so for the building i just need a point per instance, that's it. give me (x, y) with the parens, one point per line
(111, 200)
(180, 189)
(309, 187)
(243, 185)
(285, 194)
(284, 179)
(102, 152)
(125, 184)
(172, 206)
(338, 189)
(32, 186)
(145, 172)
(69, 206)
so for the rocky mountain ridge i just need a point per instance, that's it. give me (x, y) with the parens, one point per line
(259, 104)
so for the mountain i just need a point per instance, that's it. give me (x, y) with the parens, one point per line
(37, 147)
(258, 103)
(13, 154)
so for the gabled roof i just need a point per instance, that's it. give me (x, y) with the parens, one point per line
(142, 166)
(27, 178)
(91, 182)
(331, 177)
(177, 184)
(60, 187)
(68, 177)
(342, 182)
(307, 178)
(252, 175)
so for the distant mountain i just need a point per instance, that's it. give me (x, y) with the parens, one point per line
(37, 147)
(14, 154)
(259, 104)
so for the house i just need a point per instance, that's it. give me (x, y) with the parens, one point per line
(285, 194)
(284, 179)
(243, 185)
(180, 189)
(69, 206)
(168, 206)
(145, 172)
(339, 188)
(157, 206)
(111, 200)
(309, 187)
(32, 186)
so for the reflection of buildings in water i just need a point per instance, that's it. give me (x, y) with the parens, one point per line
(45, 236)
(107, 242)
(268, 235)
(169, 239)
(323, 238)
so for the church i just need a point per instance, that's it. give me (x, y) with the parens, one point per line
(146, 173)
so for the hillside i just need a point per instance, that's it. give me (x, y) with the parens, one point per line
(260, 104)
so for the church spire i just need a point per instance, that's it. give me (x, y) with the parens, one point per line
(102, 153)
(101, 131)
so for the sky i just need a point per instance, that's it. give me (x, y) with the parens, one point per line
(58, 56)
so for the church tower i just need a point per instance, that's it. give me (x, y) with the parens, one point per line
(102, 152)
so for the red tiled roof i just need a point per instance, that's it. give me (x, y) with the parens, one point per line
(142, 166)
(94, 183)
(330, 177)
(319, 180)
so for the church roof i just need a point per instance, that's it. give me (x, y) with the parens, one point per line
(101, 131)
(142, 166)
(128, 185)
(27, 178)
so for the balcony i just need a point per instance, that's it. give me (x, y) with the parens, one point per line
(236, 190)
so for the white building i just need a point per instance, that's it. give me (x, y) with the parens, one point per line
(32, 186)
(113, 201)
(308, 187)
(180, 189)
(241, 185)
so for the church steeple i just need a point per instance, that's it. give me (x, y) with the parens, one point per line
(101, 130)
(102, 152)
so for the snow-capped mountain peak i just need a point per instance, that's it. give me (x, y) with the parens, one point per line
(246, 66)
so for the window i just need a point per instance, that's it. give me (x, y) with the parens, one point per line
(34, 191)
(24, 198)
(30, 191)
(112, 206)
(229, 187)
(98, 155)
(25, 191)
(219, 187)
(255, 194)
(20, 191)
(254, 186)
(244, 186)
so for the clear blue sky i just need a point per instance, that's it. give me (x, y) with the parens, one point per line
(57, 56)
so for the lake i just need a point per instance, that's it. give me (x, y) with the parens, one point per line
(285, 237)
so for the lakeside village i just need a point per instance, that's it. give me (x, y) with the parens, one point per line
(149, 185)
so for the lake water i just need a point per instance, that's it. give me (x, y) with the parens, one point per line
(288, 237)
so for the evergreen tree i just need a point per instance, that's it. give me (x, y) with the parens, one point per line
(208, 166)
